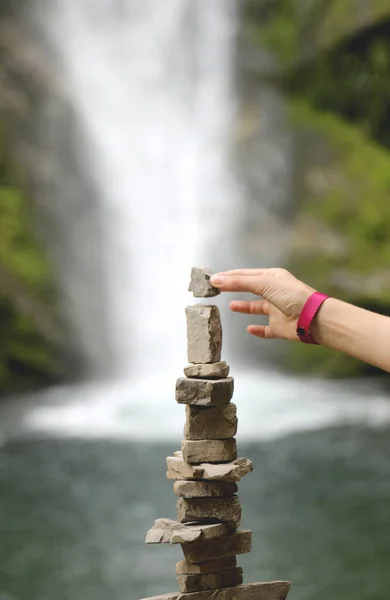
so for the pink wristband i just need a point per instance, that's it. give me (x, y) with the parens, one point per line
(307, 315)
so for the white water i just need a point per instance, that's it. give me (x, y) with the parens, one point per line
(270, 406)
(150, 84)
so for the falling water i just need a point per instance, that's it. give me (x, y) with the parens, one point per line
(150, 85)
(143, 191)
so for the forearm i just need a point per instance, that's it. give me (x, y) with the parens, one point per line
(360, 333)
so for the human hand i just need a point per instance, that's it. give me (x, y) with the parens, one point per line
(283, 298)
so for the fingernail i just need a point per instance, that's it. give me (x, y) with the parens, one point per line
(216, 280)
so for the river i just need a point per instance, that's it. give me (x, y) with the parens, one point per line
(81, 483)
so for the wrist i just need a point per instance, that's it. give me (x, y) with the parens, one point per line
(307, 316)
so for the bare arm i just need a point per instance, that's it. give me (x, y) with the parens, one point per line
(360, 333)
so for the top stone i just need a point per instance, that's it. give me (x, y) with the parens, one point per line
(200, 285)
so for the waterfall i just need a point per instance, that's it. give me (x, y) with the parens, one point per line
(150, 86)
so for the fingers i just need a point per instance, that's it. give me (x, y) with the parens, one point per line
(254, 307)
(262, 331)
(240, 283)
(244, 272)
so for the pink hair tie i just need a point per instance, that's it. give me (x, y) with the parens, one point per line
(309, 311)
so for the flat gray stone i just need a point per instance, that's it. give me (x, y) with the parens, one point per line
(217, 423)
(203, 392)
(199, 531)
(210, 451)
(224, 510)
(204, 489)
(210, 581)
(204, 334)
(200, 285)
(273, 590)
(232, 544)
(233, 471)
(218, 370)
(212, 566)
(166, 531)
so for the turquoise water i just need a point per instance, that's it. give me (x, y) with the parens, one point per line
(74, 514)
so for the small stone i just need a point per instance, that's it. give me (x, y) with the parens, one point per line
(210, 581)
(273, 590)
(218, 370)
(233, 471)
(218, 423)
(210, 451)
(166, 531)
(225, 510)
(200, 285)
(204, 334)
(204, 489)
(212, 566)
(202, 392)
(239, 542)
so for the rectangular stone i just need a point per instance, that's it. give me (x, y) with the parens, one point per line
(232, 544)
(272, 590)
(204, 334)
(218, 370)
(233, 471)
(166, 531)
(204, 489)
(210, 581)
(225, 510)
(211, 451)
(212, 566)
(219, 423)
(200, 285)
(203, 392)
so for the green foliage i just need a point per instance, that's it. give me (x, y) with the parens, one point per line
(354, 204)
(27, 356)
(352, 81)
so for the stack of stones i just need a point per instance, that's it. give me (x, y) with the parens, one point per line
(206, 471)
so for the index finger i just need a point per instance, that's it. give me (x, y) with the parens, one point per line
(254, 284)
(244, 272)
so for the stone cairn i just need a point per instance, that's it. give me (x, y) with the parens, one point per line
(206, 471)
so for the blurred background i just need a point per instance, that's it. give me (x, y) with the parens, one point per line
(138, 139)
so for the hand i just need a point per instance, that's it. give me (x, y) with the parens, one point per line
(283, 299)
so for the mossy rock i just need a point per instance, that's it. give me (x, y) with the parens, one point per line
(341, 234)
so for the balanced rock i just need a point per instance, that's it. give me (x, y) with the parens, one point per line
(200, 285)
(204, 489)
(217, 423)
(204, 334)
(202, 392)
(233, 471)
(225, 510)
(232, 544)
(217, 370)
(212, 566)
(211, 451)
(210, 581)
(273, 590)
(166, 531)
